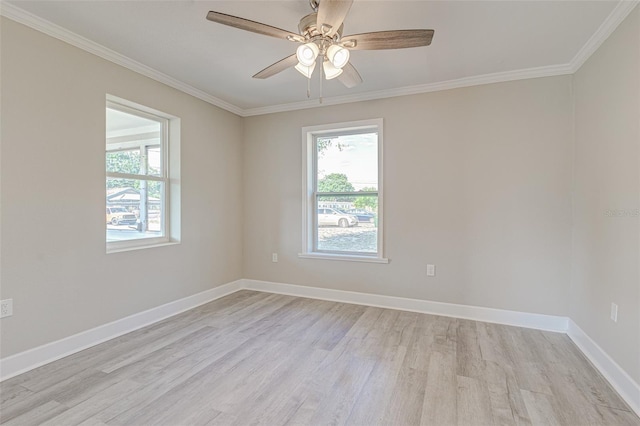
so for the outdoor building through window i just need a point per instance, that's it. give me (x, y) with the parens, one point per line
(137, 177)
(343, 191)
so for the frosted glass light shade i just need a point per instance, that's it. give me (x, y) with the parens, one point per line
(330, 71)
(307, 54)
(305, 70)
(339, 56)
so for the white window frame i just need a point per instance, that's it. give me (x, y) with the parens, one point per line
(170, 176)
(309, 176)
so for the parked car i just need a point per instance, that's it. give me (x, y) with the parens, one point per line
(362, 215)
(118, 215)
(333, 217)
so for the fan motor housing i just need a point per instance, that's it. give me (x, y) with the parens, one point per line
(308, 27)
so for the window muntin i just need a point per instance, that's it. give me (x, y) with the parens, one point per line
(136, 177)
(343, 209)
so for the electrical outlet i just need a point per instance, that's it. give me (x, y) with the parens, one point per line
(614, 312)
(6, 308)
(274, 257)
(431, 270)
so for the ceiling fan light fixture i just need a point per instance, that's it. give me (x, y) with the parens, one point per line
(306, 70)
(338, 55)
(330, 71)
(307, 54)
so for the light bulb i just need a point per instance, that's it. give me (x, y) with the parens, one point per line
(330, 71)
(339, 56)
(307, 53)
(305, 70)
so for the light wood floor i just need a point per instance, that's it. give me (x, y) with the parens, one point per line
(258, 358)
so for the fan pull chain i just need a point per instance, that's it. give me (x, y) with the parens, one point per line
(308, 88)
(320, 73)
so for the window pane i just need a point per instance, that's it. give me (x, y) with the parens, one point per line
(122, 127)
(347, 223)
(154, 160)
(125, 161)
(347, 163)
(133, 143)
(134, 209)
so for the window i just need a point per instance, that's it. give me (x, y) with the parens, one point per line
(342, 200)
(140, 190)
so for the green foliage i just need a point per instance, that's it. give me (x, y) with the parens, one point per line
(129, 162)
(335, 182)
(326, 143)
(124, 161)
(367, 203)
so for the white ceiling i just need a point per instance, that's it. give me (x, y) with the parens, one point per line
(472, 38)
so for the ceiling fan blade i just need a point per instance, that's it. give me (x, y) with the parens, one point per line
(279, 66)
(397, 39)
(253, 26)
(331, 14)
(350, 76)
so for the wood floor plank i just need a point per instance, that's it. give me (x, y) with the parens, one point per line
(338, 401)
(157, 384)
(540, 409)
(322, 384)
(440, 396)
(569, 400)
(473, 404)
(370, 407)
(507, 404)
(143, 352)
(37, 415)
(468, 353)
(87, 408)
(407, 398)
(271, 402)
(43, 377)
(256, 358)
(304, 318)
(492, 340)
(190, 386)
(10, 392)
(85, 380)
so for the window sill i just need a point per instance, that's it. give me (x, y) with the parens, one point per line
(123, 248)
(344, 257)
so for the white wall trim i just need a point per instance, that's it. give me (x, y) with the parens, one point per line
(21, 16)
(615, 18)
(476, 313)
(619, 13)
(499, 77)
(628, 389)
(28, 360)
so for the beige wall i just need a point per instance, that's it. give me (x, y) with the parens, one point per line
(477, 181)
(53, 261)
(607, 164)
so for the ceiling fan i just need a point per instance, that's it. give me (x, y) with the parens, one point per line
(321, 38)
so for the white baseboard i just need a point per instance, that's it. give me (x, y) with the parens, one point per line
(28, 360)
(628, 389)
(500, 316)
(617, 377)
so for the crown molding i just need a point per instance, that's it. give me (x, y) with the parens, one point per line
(499, 77)
(619, 13)
(21, 16)
(615, 18)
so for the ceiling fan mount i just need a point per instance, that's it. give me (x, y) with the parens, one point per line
(321, 40)
(308, 28)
